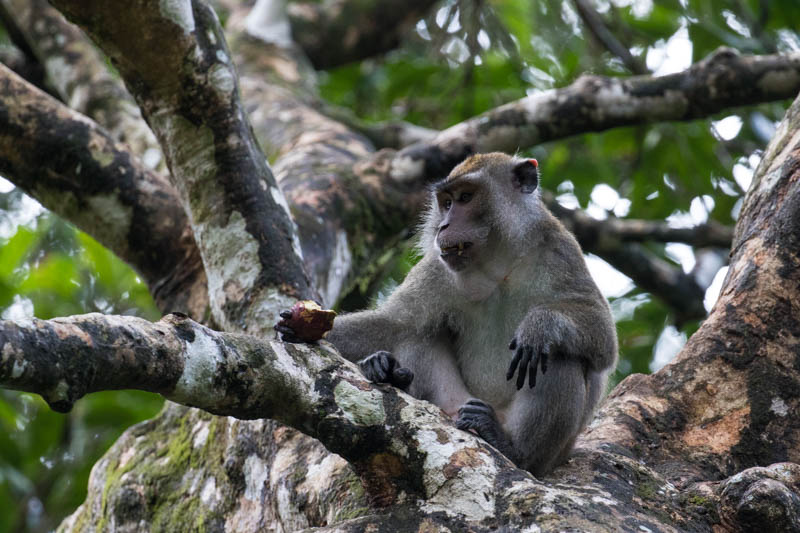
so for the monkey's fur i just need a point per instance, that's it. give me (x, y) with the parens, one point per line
(522, 284)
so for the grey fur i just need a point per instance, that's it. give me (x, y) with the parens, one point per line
(525, 280)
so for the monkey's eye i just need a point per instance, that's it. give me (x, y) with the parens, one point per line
(447, 204)
(465, 197)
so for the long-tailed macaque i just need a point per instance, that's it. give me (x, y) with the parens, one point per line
(502, 290)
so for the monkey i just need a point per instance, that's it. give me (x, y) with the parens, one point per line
(502, 289)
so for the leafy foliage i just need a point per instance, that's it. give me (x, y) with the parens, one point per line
(48, 269)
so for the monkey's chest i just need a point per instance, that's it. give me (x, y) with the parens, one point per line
(483, 357)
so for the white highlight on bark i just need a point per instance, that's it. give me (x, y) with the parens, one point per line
(231, 260)
(337, 272)
(201, 434)
(221, 76)
(320, 473)
(209, 494)
(201, 362)
(470, 493)
(269, 22)
(280, 199)
(551, 495)
(126, 456)
(60, 72)
(179, 12)
(406, 168)
(282, 467)
(116, 217)
(779, 407)
(59, 391)
(604, 501)
(286, 366)
(362, 407)
(255, 475)
(18, 368)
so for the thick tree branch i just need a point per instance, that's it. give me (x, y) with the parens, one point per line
(75, 169)
(724, 404)
(315, 391)
(81, 77)
(19, 56)
(595, 103)
(591, 231)
(395, 134)
(178, 68)
(325, 169)
(407, 452)
(679, 291)
(616, 240)
(359, 29)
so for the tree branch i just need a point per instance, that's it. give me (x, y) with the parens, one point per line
(407, 452)
(595, 103)
(598, 29)
(313, 390)
(721, 404)
(326, 170)
(395, 134)
(75, 169)
(616, 241)
(188, 92)
(591, 231)
(81, 77)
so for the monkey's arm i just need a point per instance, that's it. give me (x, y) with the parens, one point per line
(357, 335)
(579, 328)
(409, 312)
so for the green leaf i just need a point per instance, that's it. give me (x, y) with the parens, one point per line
(13, 251)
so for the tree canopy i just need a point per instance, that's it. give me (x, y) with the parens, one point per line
(222, 160)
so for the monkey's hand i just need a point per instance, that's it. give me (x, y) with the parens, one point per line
(382, 367)
(479, 416)
(528, 355)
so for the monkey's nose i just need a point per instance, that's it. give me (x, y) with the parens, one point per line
(444, 226)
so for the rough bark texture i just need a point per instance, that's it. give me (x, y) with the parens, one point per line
(79, 74)
(596, 103)
(709, 442)
(179, 70)
(102, 189)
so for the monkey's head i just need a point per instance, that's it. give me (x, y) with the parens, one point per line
(486, 202)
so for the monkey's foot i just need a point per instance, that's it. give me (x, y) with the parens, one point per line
(480, 417)
(382, 367)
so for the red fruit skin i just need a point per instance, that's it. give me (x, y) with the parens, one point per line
(309, 321)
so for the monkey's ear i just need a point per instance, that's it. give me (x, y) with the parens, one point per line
(525, 176)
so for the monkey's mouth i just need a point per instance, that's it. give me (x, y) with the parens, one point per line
(456, 249)
(455, 255)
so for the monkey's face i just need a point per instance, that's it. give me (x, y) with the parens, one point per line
(476, 211)
(462, 233)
